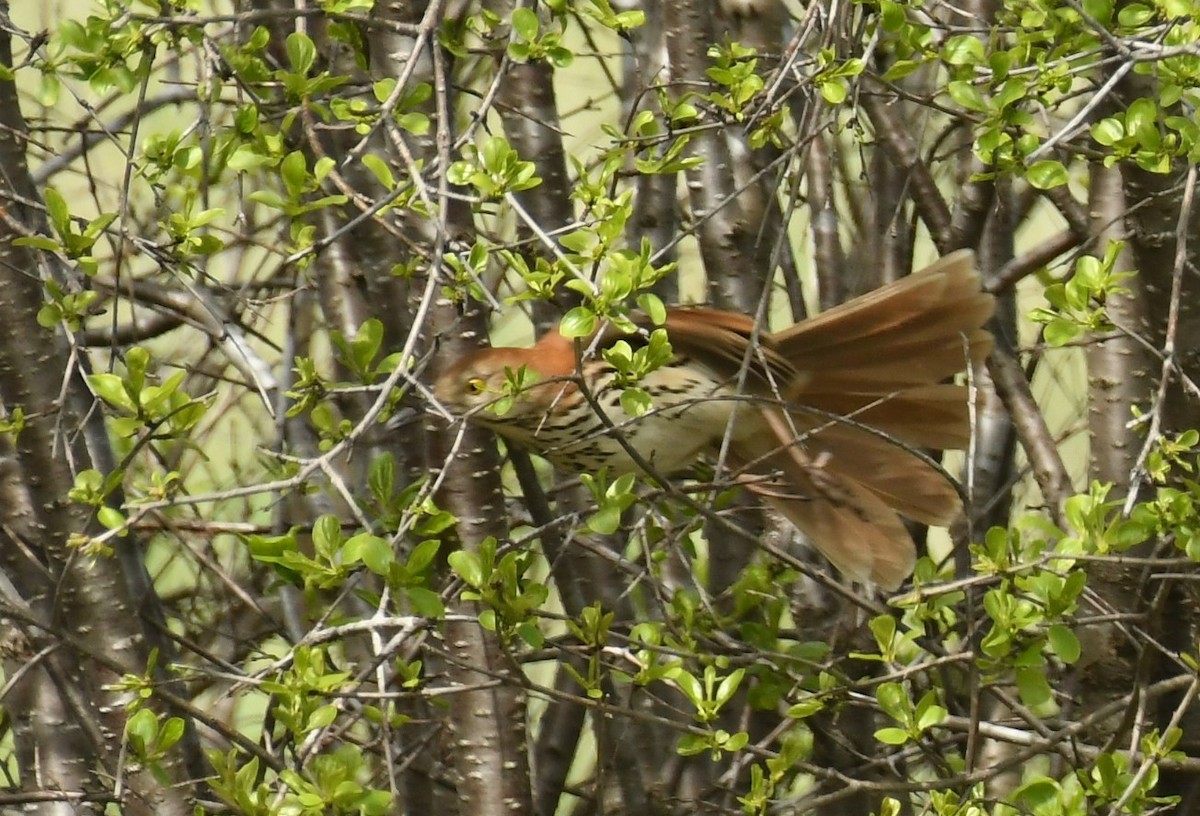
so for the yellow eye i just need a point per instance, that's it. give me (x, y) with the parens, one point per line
(475, 385)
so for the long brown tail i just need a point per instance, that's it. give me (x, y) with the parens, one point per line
(880, 361)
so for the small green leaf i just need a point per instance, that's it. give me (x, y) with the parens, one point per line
(1060, 332)
(49, 315)
(525, 23)
(380, 170)
(931, 716)
(579, 322)
(294, 172)
(1064, 643)
(606, 521)
(963, 49)
(893, 700)
(38, 242)
(371, 550)
(1100, 10)
(834, 90)
(1135, 15)
(636, 402)
(1033, 686)
(142, 727)
(805, 708)
(690, 686)
(321, 717)
(1047, 174)
(422, 556)
(966, 95)
(170, 733)
(892, 736)
(892, 15)
(301, 52)
(467, 566)
(110, 517)
(56, 208)
(654, 308)
(529, 632)
(425, 602)
(111, 389)
(1108, 131)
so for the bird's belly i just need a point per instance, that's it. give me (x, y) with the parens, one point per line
(669, 438)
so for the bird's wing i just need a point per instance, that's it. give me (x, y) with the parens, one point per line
(725, 343)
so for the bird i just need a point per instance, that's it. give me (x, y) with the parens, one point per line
(826, 421)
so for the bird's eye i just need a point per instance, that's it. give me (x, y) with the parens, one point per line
(475, 385)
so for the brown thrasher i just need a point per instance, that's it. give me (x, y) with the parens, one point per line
(821, 418)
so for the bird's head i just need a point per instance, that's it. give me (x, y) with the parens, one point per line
(497, 387)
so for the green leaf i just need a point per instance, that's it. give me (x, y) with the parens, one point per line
(1100, 10)
(1135, 15)
(170, 733)
(636, 402)
(892, 736)
(49, 315)
(301, 52)
(327, 535)
(729, 686)
(1041, 795)
(1047, 174)
(466, 565)
(963, 49)
(110, 517)
(893, 700)
(371, 550)
(691, 745)
(606, 521)
(56, 209)
(892, 15)
(931, 716)
(834, 90)
(883, 627)
(579, 322)
(1060, 332)
(111, 389)
(1108, 131)
(142, 728)
(525, 23)
(294, 172)
(321, 717)
(415, 123)
(967, 95)
(38, 242)
(1033, 686)
(425, 602)
(1064, 643)
(1141, 120)
(422, 556)
(900, 69)
(805, 708)
(653, 306)
(690, 686)
(529, 632)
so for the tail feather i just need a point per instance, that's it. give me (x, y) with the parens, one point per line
(902, 360)
(880, 360)
(911, 331)
(907, 484)
(927, 416)
(850, 524)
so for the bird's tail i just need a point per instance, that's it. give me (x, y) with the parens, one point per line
(878, 362)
